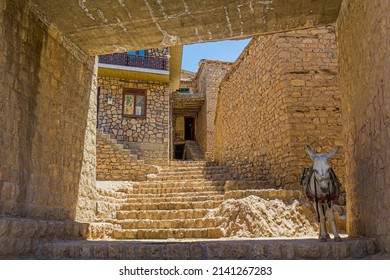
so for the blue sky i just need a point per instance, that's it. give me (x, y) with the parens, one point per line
(223, 50)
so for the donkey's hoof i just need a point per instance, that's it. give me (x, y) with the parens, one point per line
(323, 239)
(337, 238)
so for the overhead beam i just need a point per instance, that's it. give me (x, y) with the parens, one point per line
(101, 26)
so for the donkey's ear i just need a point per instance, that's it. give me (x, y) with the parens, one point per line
(332, 153)
(310, 151)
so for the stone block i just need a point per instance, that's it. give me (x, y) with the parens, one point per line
(5, 174)
(8, 191)
(5, 227)
(298, 83)
(308, 251)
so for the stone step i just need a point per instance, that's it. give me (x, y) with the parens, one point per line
(168, 196)
(199, 171)
(177, 184)
(174, 224)
(191, 162)
(188, 163)
(195, 165)
(162, 214)
(168, 233)
(177, 177)
(250, 249)
(193, 151)
(184, 189)
(172, 205)
(176, 199)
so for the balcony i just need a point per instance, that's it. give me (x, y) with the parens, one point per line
(130, 60)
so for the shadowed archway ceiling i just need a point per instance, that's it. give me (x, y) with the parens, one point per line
(106, 26)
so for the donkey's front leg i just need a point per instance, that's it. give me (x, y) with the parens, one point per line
(329, 213)
(323, 233)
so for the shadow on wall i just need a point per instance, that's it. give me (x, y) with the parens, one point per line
(49, 84)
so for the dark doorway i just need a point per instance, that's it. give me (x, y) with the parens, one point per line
(179, 151)
(189, 128)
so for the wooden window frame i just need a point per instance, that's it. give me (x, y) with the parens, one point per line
(135, 92)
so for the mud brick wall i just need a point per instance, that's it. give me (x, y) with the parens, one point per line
(363, 37)
(280, 95)
(153, 129)
(208, 79)
(45, 91)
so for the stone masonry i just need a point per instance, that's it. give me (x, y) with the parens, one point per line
(363, 36)
(44, 102)
(150, 134)
(158, 52)
(280, 95)
(208, 78)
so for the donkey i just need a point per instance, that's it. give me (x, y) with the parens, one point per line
(322, 187)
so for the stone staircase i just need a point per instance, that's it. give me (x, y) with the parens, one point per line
(166, 217)
(113, 162)
(193, 151)
(146, 153)
(173, 203)
(105, 139)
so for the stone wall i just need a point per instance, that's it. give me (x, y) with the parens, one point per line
(44, 97)
(208, 79)
(187, 80)
(280, 95)
(158, 52)
(188, 84)
(152, 129)
(85, 210)
(363, 36)
(179, 130)
(114, 163)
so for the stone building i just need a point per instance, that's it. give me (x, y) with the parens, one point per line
(173, 122)
(194, 111)
(279, 96)
(208, 79)
(134, 90)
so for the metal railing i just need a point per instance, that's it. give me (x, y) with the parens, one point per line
(125, 59)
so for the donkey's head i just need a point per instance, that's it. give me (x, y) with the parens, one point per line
(321, 168)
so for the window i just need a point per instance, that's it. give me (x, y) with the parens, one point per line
(134, 102)
(184, 90)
